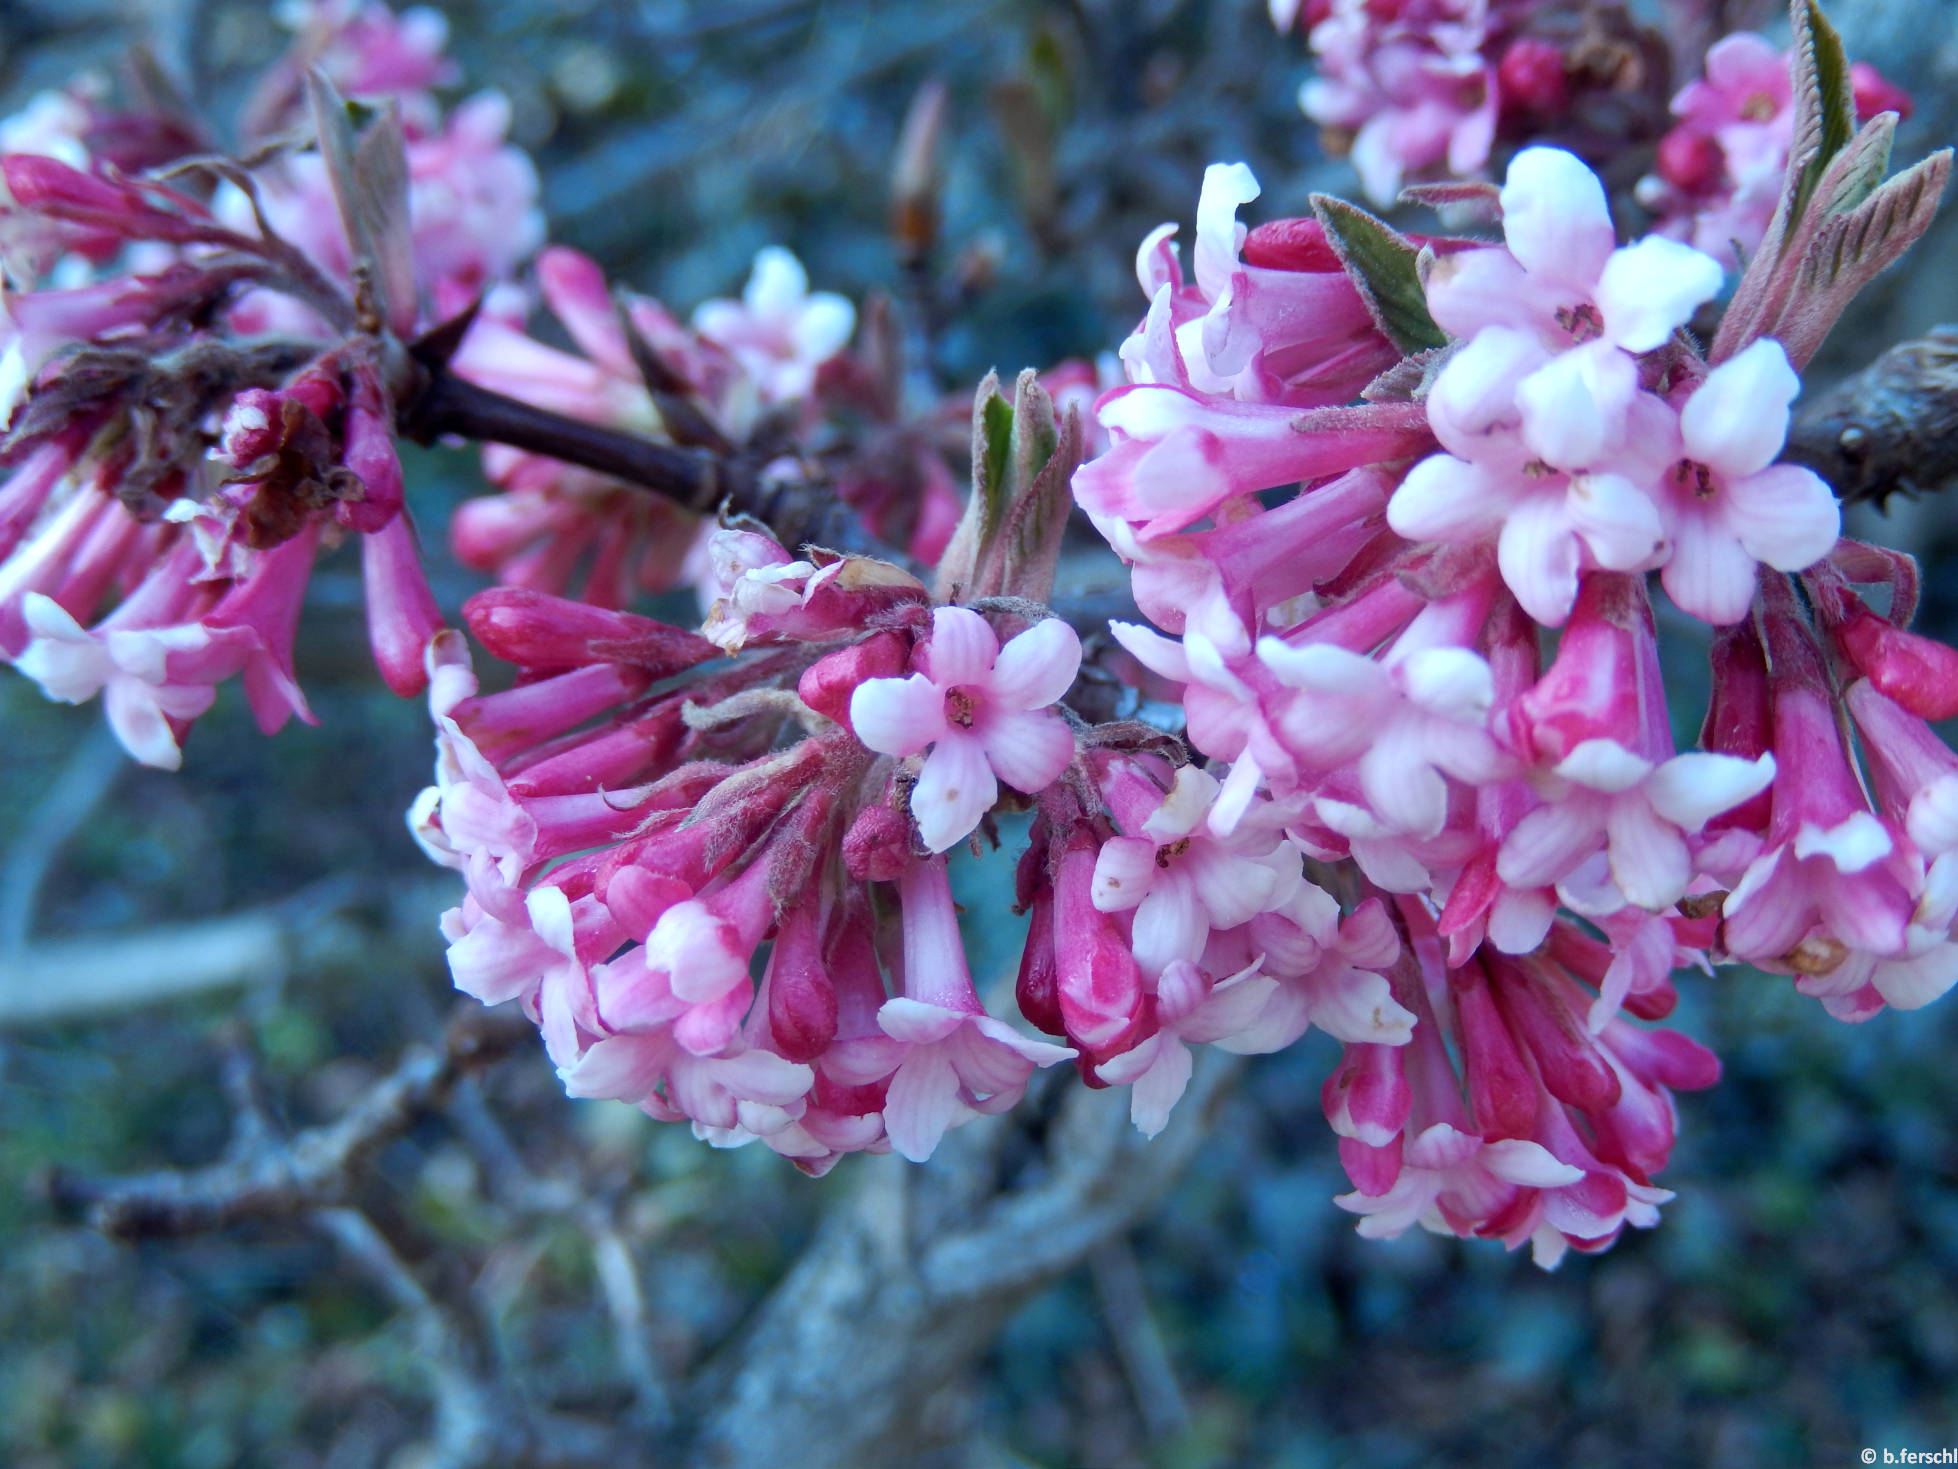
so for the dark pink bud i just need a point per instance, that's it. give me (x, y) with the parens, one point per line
(1664, 1056)
(877, 846)
(1038, 988)
(1691, 161)
(1290, 244)
(370, 456)
(401, 611)
(1874, 93)
(1737, 716)
(50, 186)
(1530, 78)
(1571, 1068)
(1502, 1093)
(1919, 674)
(1367, 1098)
(801, 999)
(827, 684)
(539, 632)
(1100, 985)
(1373, 1170)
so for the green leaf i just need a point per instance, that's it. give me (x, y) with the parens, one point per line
(368, 170)
(1850, 249)
(1023, 460)
(1854, 173)
(1825, 104)
(1381, 263)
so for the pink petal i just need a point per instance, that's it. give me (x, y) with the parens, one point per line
(1549, 842)
(1036, 668)
(962, 647)
(1784, 516)
(623, 1068)
(1710, 574)
(955, 789)
(1125, 868)
(1617, 520)
(1650, 289)
(1027, 751)
(1454, 683)
(1472, 290)
(1537, 553)
(1158, 654)
(1518, 1160)
(1649, 860)
(898, 716)
(1170, 924)
(1574, 407)
(1157, 1091)
(1406, 792)
(1358, 1007)
(1737, 419)
(1448, 499)
(916, 1023)
(1690, 790)
(1520, 919)
(1555, 219)
(1226, 187)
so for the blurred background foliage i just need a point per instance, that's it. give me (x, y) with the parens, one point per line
(1799, 1302)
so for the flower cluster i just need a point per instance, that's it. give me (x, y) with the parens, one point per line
(202, 369)
(1360, 658)
(1402, 764)
(1421, 88)
(1718, 175)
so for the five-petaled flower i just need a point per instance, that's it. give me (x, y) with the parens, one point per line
(983, 711)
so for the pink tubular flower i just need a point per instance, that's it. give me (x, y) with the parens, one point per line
(959, 1062)
(1612, 783)
(982, 710)
(1832, 880)
(1178, 455)
(1270, 316)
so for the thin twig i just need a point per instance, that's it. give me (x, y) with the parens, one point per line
(1132, 1328)
(84, 780)
(465, 1413)
(310, 1170)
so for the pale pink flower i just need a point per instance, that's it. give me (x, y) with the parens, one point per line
(1183, 880)
(1589, 303)
(1412, 719)
(1413, 82)
(1328, 973)
(1189, 1010)
(530, 953)
(779, 331)
(1549, 526)
(1730, 507)
(983, 712)
(1640, 813)
(1451, 1179)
